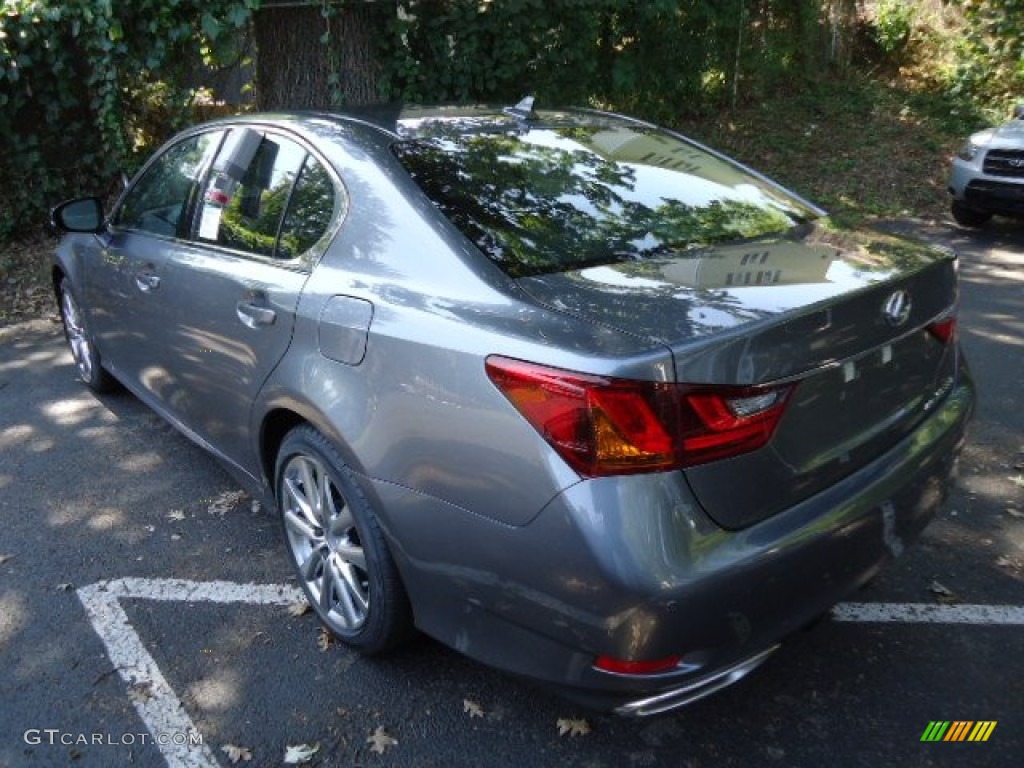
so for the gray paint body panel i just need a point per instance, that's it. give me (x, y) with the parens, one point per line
(344, 327)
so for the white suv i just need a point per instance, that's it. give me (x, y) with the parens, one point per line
(988, 174)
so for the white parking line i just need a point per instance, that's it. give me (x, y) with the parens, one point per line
(160, 708)
(926, 613)
(163, 712)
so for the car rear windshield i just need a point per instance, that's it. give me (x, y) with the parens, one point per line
(576, 191)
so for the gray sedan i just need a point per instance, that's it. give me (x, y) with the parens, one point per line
(571, 393)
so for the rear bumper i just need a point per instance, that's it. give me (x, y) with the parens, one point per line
(630, 567)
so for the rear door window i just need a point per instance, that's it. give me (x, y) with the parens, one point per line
(266, 195)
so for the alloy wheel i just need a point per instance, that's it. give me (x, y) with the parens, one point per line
(325, 543)
(78, 339)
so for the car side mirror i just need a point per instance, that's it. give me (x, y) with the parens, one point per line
(82, 214)
(1018, 112)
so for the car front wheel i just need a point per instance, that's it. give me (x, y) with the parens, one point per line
(337, 546)
(83, 350)
(969, 217)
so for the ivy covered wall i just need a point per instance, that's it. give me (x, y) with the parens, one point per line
(89, 87)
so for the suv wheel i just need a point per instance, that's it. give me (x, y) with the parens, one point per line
(969, 217)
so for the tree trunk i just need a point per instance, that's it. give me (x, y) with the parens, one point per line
(297, 67)
(842, 24)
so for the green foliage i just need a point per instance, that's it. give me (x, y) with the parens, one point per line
(894, 24)
(992, 50)
(656, 58)
(87, 85)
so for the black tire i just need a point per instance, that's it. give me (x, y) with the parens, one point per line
(337, 547)
(83, 349)
(969, 217)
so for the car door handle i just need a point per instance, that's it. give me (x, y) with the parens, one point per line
(146, 281)
(253, 315)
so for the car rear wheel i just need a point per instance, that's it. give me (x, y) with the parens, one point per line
(337, 546)
(83, 350)
(969, 217)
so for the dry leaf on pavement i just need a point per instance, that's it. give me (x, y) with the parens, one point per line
(323, 639)
(236, 754)
(225, 502)
(472, 708)
(298, 608)
(300, 753)
(380, 741)
(573, 727)
(140, 693)
(942, 594)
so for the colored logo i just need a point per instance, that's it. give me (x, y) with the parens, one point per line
(958, 730)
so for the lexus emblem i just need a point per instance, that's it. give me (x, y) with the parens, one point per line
(897, 308)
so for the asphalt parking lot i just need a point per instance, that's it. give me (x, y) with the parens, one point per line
(146, 604)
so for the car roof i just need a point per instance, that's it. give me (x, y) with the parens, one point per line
(405, 121)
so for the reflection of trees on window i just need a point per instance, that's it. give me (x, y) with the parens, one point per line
(545, 202)
(281, 182)
(251, 218)
(310, 211)
(156, 203)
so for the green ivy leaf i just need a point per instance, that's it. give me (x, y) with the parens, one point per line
(211, 27)
(238, 16)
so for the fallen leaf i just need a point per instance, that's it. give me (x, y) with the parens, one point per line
(380, 741)
(324, 639)
(225, 502)
(1014, 512)
(300, 753)
(1018, 481)
(1005, 561)
(299, 608)
(943, 594)
(140, 693)
(176, 515)
(236, 754)
(472, 708)
(5, 558)
(573, 727)
(67, 586)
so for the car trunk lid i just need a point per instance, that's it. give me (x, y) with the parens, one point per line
(849, 316)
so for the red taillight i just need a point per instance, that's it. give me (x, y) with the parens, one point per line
(944, 330)
(605, 426)
(623, 667)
